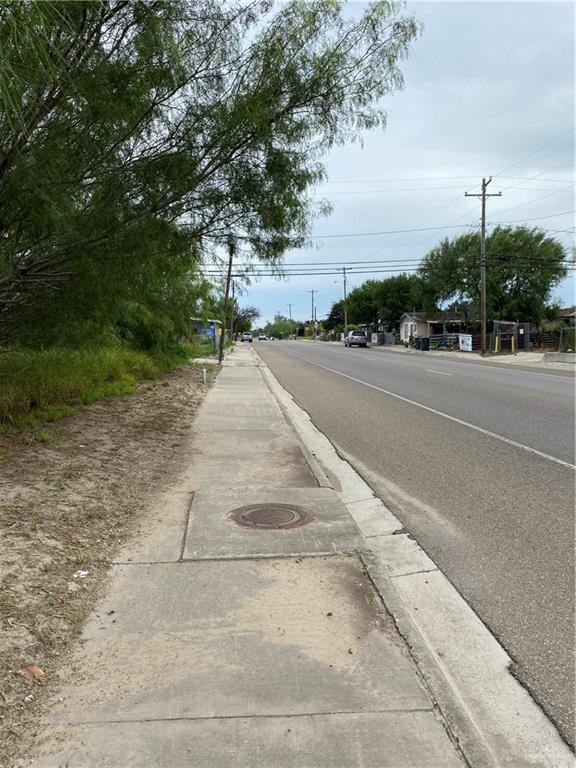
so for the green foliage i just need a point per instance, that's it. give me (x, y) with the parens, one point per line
(38, 386)
(523, 266)
(386, 300)
(244, 318)
(398, 294)
(335, 319)
(135, 136)
(281, 327)
(362, 306)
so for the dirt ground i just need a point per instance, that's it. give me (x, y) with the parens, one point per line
(66, 506)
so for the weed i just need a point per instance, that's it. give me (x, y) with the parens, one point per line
(52, 599)
(44, 436)
(35, 519)
(72, 471)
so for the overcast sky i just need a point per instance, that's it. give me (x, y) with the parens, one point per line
(489, 84)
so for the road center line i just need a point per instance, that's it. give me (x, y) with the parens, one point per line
(501, 368)
(444, 415)
(441, 373)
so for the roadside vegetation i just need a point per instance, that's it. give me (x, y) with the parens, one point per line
(136, 141)
(40, 386)
(524, 265)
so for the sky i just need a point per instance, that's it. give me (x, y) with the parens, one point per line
(489, 91)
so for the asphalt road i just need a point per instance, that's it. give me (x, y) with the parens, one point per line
(477, 463)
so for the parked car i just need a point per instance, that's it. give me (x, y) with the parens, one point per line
(355, 339)
(262, 337)
(246, 337)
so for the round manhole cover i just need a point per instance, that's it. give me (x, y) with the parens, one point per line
(271, 516)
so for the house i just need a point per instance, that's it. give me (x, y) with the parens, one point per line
(413, 325)
(567, 315)
(417, 325)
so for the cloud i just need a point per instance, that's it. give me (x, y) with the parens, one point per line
(489, 84)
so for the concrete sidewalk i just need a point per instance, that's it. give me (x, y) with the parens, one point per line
(224, 642)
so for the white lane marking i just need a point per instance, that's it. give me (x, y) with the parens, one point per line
(442, 373)
(481, 364)
(445, 415)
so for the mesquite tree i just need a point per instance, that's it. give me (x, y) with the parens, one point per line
(135, 136)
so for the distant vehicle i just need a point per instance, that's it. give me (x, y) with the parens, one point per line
(246, 337)
(262, 337)
(355, 339)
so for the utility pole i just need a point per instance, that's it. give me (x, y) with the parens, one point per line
(232, 313)
(482, 196)
(312, 316)
(345, 299)
(290, 310)
(231, 251)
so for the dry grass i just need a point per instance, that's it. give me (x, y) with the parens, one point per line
(67, 503)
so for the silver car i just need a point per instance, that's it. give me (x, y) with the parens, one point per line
(355, 339)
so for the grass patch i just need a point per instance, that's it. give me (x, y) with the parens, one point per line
(43, 386)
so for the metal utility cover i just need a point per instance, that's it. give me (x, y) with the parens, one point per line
(211, 534)
(271, 516)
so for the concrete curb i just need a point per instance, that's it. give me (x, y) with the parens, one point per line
(491, 716)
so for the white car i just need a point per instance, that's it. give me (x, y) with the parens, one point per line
(355, 339)
(246, 337)
(262, 337)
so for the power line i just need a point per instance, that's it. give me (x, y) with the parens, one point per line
(422, 178)
(536, 151)
(423, 189)
(427, 229)
(536, 199)
(494, 260)
(304, 267)
(537, 218)
(536, 176)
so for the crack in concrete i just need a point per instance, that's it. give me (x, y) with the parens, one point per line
(327, 713)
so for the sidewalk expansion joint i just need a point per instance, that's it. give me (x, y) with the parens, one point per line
(284, 715)
(413, 573)
(226, 558)
(210, 430)
(272, 556)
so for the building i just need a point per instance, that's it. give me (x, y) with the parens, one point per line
(567, 316)
(418, 325)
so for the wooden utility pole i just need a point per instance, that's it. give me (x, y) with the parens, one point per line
(232, 313)
(313, 317)
(482, 196)
(231, 251)
(345, 299)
